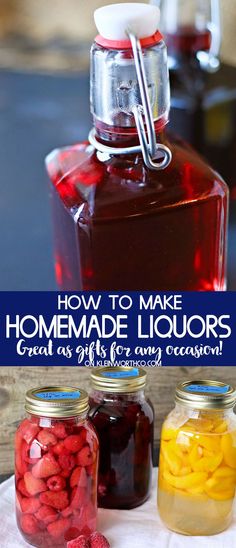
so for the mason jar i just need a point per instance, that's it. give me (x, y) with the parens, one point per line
(56, 459)
(123, 418)
(197, 470)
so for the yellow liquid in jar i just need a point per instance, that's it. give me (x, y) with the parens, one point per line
(197, 475)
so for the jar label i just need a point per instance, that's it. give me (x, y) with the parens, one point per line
(58, 395)
(121, 374)
(207, 389)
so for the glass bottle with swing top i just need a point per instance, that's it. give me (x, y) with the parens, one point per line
(132, 209)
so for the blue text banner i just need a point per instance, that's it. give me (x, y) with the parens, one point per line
(114, 328)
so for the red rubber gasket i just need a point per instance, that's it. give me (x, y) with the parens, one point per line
(126, 44)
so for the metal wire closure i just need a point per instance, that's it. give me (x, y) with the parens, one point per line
(143, 87)
(156, 156)
(106, 149)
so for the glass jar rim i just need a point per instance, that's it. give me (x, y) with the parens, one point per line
(205, 394)
(56, 401)
(118, 379)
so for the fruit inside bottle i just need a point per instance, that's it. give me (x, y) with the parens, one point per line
(197, 474)
(125, 430)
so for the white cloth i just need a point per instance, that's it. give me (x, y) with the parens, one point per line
(139, 528)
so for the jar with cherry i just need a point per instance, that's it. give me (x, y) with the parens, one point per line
(123, 418)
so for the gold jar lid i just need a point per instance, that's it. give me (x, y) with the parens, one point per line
(205, 394)
(118, 379)
(56, 401)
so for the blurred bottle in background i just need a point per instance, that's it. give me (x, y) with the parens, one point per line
(203, 90)
(192, 31)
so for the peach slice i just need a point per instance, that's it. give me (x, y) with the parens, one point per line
(229, 451)
(195, 479)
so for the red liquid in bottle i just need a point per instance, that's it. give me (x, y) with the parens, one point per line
(121, 226)
(203, 104)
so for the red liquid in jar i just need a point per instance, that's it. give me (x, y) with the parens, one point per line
(125, 432)
(56, 487)
(120, 226)
(187, 40)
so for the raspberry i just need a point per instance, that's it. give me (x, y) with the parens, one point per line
(18, 440)
(28, 430)
(29, 524)
(33, 485)
(87, 519)
(46, 514)
(78, 477)
(85, 457)
(45, 467)
(30, 505)
(67, 461)
(56, 483)
(57, 528)
(67, 511)
(65, 473)
(47, 438)
(74, 443)
(79, 542)
(97, 540)
(22, 488)
(58, 500)
(72, 533)
(59, 448)
(59, 430)
(83, 434)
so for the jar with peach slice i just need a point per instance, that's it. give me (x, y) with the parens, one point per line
(197, 470)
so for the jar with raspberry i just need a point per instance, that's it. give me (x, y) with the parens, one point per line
(123, 418)
(56, 459)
